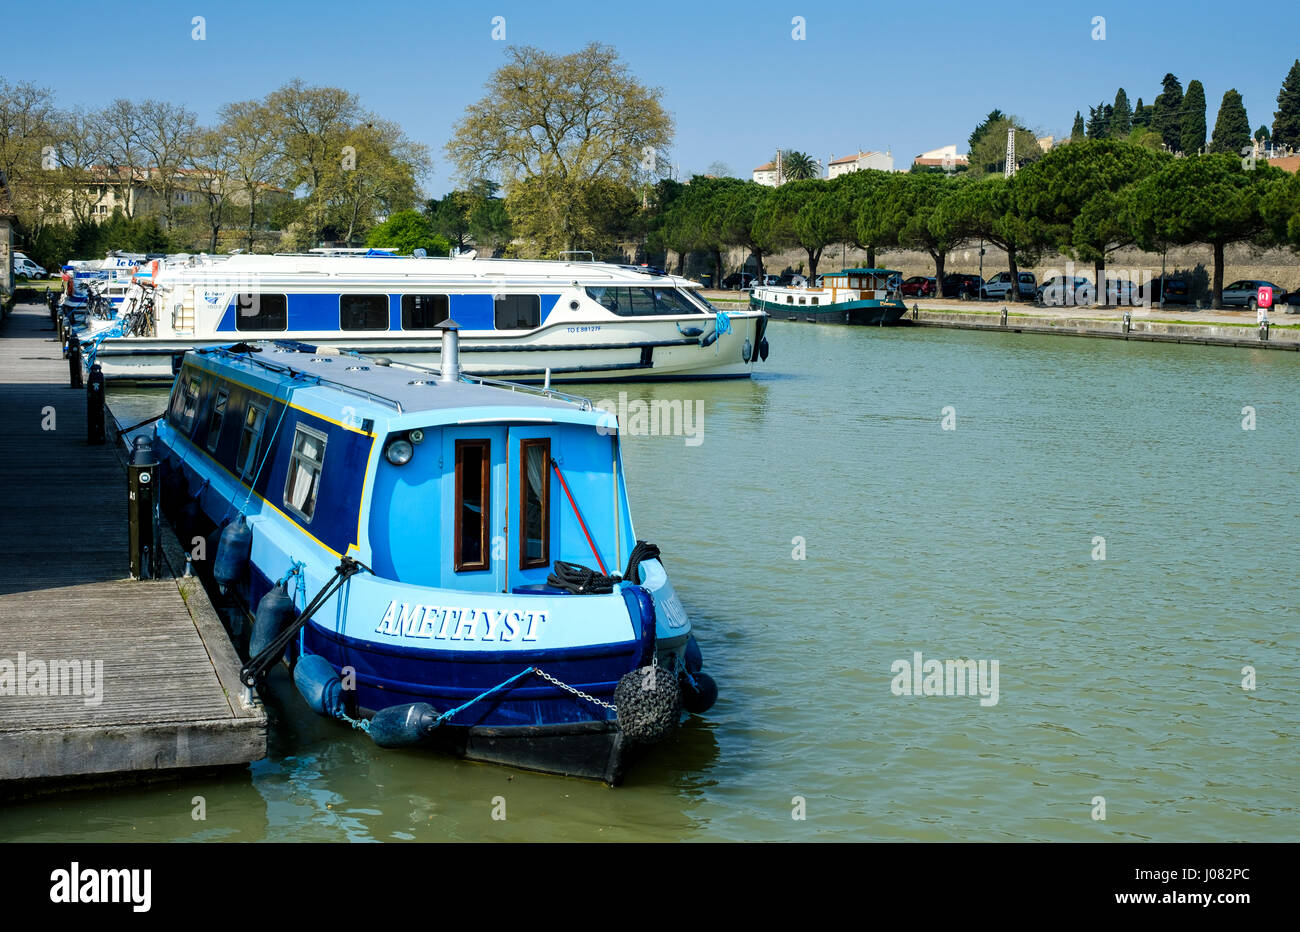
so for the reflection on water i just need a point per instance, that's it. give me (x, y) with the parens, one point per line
(1119, 678)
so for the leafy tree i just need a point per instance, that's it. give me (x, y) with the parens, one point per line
(450, 216)
(1141, 114)
(1098, 121)
(986, 209)
(1121, 122)
(381, 178)
(909, 211)
(167, 135)
(1286, 119)
(736, 208)
(406, 231)
(1232, 128)
(982, 129)
(489, 225)
(1192, 120)
(1166, 113)
(1058, 189)
(990, 153)
(1078, 132)
(1212, 200)
(1262, 134)
(800, 213)
(257, 159)
(1280, 207)
(564, 133)
(854, 192)
(798, 166)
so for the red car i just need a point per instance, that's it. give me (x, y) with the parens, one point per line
(919, 286)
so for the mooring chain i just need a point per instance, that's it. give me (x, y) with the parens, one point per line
(577, 692)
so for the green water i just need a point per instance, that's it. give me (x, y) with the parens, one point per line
(1119, 678)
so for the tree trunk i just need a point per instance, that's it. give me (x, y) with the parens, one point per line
(871, 257)
(1015, 275)
(681, 262)
(813, 256)
(1218, 275)
(758, 257)
(717, 267)
(252, 213)
(939, 259)
(1099, 274)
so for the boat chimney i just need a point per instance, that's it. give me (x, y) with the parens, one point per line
(450, 351)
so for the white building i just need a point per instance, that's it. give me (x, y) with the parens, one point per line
(768, 174)
(881, 161)
(943, 157)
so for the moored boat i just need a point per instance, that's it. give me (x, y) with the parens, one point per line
(520, 319)
(851, 296)
(435, 554)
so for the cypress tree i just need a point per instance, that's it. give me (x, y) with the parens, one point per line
(1141, 114)
(1121, 121)
(1167, 110)
(1286, 119)
(1232, 128)
(1077, 132)
(1262, 134)
(1192, 121)
(1098, 121)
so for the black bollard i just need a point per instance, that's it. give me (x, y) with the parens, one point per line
(74, 361)
(95, 406)
(1263, 329)
(1004, 317)
(1128, 321)
(142, 510)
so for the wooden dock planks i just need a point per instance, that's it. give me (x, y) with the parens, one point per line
(168, 696)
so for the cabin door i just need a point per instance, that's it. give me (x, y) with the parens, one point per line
(477, 500)
(535, 498)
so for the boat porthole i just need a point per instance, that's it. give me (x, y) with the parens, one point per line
(574, 305)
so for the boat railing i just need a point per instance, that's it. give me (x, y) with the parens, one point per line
(584, 403)
(318, 379)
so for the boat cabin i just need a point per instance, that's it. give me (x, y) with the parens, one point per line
(431, 481)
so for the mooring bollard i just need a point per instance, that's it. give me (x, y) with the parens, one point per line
(1128, 321)
(1004, 317)
(95, 406)
(916, 311)
(1263, 329)
(74, 361)
(142, 510)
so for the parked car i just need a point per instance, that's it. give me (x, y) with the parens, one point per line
(966, 287)
(1122, 293)
(1064, 291)
(770, 281)
(1245, 293)
(25, 268)
(738, 280)
(791, 280)
(999, 286)
(1176, 290)
(919, 286)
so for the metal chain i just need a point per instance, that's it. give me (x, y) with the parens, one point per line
(577, 692)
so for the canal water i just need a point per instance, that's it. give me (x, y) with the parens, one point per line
(870, 495)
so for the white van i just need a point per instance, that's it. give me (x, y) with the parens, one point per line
(25, 268)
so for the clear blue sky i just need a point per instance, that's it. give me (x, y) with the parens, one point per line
(903, 76)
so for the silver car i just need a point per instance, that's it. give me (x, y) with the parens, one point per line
(1245, 293)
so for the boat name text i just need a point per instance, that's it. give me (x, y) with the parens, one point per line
(460, 624)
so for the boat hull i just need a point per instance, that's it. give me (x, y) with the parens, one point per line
(862, 313)
(656, 353)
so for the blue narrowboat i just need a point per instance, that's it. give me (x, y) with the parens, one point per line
(445, 561)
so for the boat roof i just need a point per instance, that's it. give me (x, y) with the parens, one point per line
(395, 395)
(407, 271)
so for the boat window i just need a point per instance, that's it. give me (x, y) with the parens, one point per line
(190, 403)
(261, 312)
(472, 505)
(424, 311)
(218, 417)
(534, 503)
(815, 301)
(250, 439)
(363, 312)
(517, 311)
(789, 299)
(643, 302)
(303, 481)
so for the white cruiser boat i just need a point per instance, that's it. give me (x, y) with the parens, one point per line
(525, 320)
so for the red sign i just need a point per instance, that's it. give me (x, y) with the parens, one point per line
(1265, 298)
